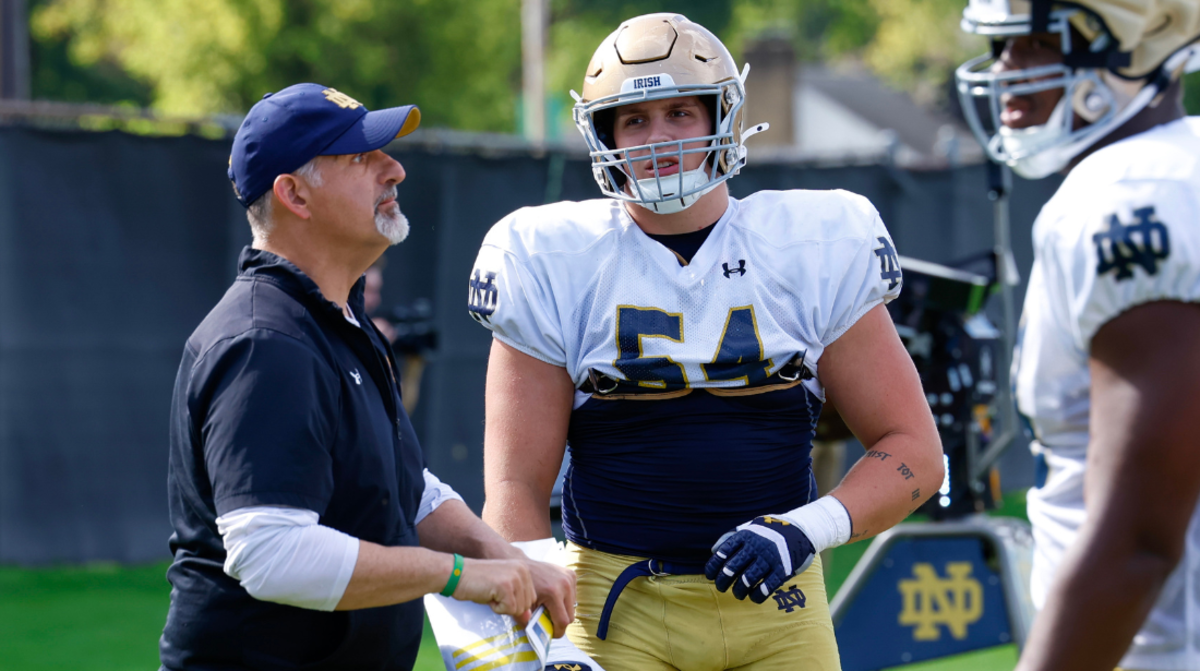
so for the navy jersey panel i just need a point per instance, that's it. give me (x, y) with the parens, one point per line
(665, 478)
(281, 401)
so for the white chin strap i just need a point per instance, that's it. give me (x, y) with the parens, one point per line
(1032, 146)
(670, 185)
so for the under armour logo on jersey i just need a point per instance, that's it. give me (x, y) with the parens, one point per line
(889, 265)
(740, 270)
(1144, 244)
(357, 376)
(483, 295)
(569, 666)
(789, 599)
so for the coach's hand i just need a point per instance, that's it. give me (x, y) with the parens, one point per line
(758, 556)
(555, 587)
(504, 584)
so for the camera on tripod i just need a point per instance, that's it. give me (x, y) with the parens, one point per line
(413, 325)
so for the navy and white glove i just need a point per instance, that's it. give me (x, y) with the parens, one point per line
(757, 557)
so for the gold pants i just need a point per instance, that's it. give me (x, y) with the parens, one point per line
(682, 623)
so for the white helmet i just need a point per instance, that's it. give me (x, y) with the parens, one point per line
(1131, 52)
(652, 57)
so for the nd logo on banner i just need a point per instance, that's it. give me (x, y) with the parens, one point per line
(922, 595)
(929, 600)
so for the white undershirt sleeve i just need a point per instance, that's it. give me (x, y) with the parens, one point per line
(280, 554)
(283, 555)
(435, 494)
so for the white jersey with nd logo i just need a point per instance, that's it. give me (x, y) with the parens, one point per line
(783, 273)
(1124, 229)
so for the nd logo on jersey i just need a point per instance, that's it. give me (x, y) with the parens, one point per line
(930, 600)
(483, 295)
(1121, 247)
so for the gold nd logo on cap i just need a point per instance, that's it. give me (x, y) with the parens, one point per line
(234, 182)
(341, 99)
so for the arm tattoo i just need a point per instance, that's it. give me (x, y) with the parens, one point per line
(916, 494)
(876, 454)
(905, 471)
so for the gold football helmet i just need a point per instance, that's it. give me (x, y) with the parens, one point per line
(652, 57)
(1131, 51)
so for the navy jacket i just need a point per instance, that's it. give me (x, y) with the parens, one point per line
(279, 400)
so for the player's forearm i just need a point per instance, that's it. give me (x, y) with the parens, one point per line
(1102, 593)
(389, 575)
(517, 511)
(895, 476)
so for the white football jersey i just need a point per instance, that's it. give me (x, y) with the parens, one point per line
(1123, 229)
(579, 285)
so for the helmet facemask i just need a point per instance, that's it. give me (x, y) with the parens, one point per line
(1093, 89)
(614, 168)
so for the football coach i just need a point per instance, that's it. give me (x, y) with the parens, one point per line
(306, 528)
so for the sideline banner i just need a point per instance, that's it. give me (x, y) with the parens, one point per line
(926, 591)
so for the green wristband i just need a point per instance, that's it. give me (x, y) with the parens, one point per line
(455, 574)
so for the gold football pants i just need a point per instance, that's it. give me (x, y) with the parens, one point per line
(682, 623)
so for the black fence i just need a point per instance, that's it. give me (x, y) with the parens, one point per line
(113, 247)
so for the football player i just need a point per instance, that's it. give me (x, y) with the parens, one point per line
(1108, 367)
(682, 342)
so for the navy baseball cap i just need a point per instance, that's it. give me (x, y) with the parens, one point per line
(285, 130)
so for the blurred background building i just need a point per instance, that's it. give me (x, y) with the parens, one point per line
(844, 113)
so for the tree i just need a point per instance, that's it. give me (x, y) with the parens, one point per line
(913, 44)
(56, 75)
(459, 59)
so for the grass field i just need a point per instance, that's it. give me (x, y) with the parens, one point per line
(106, 617)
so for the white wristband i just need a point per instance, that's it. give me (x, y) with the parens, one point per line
(825, 521)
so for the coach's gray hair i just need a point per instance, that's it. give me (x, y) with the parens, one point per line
(259, 212)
